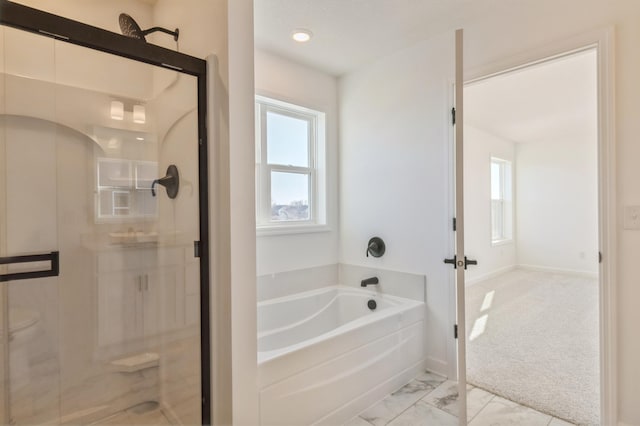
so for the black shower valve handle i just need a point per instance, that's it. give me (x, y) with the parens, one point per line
(171, 182)
(164, 181)
(375, 247)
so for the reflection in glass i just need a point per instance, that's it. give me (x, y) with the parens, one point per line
(117, 335)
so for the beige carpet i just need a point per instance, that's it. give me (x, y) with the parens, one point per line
(532, 337)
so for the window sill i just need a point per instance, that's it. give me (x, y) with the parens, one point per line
(501, 242)
(290, 229)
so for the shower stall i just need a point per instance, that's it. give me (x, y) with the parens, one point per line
(103, 227)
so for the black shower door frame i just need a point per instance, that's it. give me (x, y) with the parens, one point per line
(74, 32)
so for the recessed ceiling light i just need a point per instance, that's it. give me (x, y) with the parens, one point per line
(301, 35)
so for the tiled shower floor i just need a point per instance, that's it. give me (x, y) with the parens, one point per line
(432, 400)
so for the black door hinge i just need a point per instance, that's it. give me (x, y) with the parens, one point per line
(455, 331)
(196, 249)
(453, 116)
(454, 224)
(599, 257)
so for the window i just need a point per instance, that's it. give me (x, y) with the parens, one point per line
(501, 205)
(290, 166)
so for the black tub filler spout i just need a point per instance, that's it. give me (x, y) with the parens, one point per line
(369, 281)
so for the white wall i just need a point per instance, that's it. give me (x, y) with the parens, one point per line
(555, 206)
(479, 147)
(281, 79)
(394, 168)
(557, 203)
(242, 211)
(225, 28)
(508, 28)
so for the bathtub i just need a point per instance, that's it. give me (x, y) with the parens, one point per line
(324, 355)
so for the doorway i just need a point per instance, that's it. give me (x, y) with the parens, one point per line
(531, 201)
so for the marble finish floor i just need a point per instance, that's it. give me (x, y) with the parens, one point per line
(136, 416)
(432, 400)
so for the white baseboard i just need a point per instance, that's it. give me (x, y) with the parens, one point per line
(574, 272)
(437, 366)
(536, 268)
(491, 274)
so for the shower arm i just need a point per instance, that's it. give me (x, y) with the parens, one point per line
(175, 33)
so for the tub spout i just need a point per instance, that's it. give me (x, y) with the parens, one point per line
(369, 281)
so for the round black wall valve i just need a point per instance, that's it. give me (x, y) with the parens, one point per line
(375, 247)
(372, 304)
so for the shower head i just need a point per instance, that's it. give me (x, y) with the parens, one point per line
(130, 28)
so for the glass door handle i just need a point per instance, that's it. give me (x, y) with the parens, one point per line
(54, 271)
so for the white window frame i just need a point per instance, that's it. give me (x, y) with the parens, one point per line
(316, 169)
(504, 203)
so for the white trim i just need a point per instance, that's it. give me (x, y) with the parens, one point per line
(437, 366)
(451, 370)
(290, 228)
(608, 231)
(505, 198)
(460, 253)
(502, 242)
(490, 275)
(538, 268)
(603, 40)
(315, 169)
(540, 55)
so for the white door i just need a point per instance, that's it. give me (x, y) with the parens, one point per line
(460, 258)
(459, 261)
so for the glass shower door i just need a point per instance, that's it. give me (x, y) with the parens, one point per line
(99, 159)
(30, 334)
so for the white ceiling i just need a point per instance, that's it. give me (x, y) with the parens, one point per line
(350, 33)
(556, 99)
